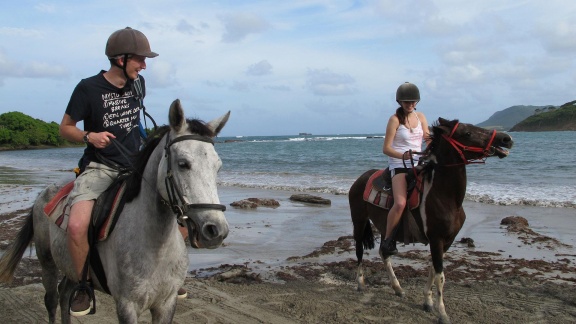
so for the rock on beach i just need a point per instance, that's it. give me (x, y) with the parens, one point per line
(251, 203)
(310, 199)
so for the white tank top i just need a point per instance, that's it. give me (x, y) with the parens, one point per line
(406, 139)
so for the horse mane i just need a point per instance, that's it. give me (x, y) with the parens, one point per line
(435, 136)
(140, 159)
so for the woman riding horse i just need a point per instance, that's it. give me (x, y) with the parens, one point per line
(405, 132)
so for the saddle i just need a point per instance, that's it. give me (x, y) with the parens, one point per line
(379, 189)
(105, 214)
(378, 192)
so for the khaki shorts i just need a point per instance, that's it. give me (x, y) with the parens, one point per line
(92, 182)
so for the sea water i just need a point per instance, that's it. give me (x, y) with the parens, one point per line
(539, 170)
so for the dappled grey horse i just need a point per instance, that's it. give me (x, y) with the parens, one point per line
(144, 258)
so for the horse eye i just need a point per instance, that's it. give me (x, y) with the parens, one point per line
(468, 134)
(184, 164)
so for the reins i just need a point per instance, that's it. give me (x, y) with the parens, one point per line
(461, 148)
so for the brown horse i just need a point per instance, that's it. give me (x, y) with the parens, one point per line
(440, 213)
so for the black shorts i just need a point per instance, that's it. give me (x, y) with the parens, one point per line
(396, 171)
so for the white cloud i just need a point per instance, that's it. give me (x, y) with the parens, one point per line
(185, 27)
(240, 25)
(278, 87)
(240, 86)
(21, 32)
(32, 69)
(260, 68)
(327, 83)
(162, 74)
(559, 37)
(310, 57)
(45, 7)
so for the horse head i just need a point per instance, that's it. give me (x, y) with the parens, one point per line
(187, 177)
(473, 143)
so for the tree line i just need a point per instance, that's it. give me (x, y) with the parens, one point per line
(18, 130)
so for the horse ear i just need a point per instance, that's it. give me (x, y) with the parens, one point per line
(176, 116)
(217, 124)
(443, 122)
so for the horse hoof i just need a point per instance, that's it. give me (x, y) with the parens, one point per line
(400, 293)
(444, 320)
(427, 308)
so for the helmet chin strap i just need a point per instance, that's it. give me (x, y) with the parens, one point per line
(123, 67)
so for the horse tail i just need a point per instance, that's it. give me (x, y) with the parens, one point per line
(368, 237)
(13, 254)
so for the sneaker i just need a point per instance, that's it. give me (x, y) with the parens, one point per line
(182, 293)
(388, 247)
(81, 304)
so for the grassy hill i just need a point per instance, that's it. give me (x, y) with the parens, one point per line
(562, 118)
(504, 120)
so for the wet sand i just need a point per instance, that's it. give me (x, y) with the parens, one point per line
(296, 264)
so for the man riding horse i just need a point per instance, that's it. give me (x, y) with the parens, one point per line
(109, 103)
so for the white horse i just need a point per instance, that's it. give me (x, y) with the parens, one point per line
(144, 258)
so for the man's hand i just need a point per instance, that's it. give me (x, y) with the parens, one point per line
(100, 140)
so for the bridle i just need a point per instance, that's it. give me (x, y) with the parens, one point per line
(175, 196)
(461, 148)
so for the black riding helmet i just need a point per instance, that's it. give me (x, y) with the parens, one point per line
(407, 92)
(127, 42)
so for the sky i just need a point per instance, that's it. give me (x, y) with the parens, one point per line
(285, 67)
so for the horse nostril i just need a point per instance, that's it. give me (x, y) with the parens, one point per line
(211, 231)
(506, 140)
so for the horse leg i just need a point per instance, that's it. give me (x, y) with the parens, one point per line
(360, 270)
(126, 311)
(164, 313)
(50, 283)
(428, 303)
(364, 237)
(436, 277)
(65, 288)
(49, 268)
(394, 283)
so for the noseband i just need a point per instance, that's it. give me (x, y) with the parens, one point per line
(461, 148)
(175, 196)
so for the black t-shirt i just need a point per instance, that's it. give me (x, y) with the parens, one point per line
(105, 107)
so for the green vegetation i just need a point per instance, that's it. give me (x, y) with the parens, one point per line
(561, 118)
(18, 130)
(503, 120)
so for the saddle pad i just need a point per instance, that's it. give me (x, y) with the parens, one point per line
(374, 196)
(383, 198)
(58, 210)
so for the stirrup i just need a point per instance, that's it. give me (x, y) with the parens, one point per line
(84, 286)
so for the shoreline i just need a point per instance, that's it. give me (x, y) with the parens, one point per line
(296, 264)
(268, 237)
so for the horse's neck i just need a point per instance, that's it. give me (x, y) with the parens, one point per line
(147, 210)
(448, 174)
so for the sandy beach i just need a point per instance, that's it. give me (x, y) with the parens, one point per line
(296, 264)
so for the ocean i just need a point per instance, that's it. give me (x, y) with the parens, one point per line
(538, 171)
